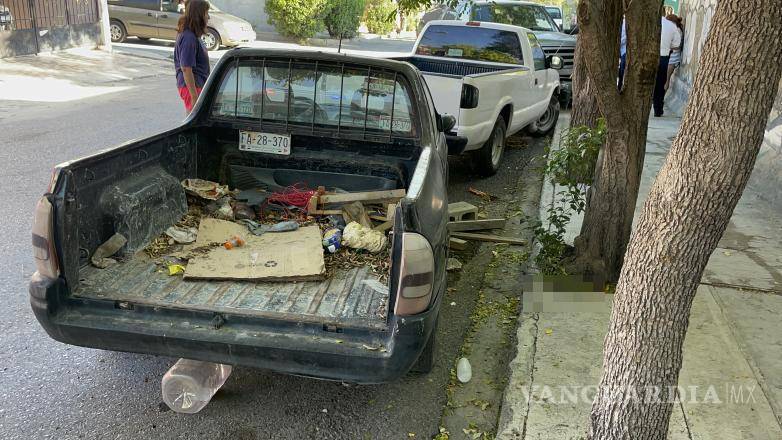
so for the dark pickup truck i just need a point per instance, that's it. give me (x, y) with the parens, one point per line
(365, 121)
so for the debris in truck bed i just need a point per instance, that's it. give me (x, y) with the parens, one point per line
(392, 195)
(453, 264)
(182, 235)
(243, 211)
(285, 256)
(360, 237)
(261, 228)
(100, 258)
(205, 189)
(355, 212)
(346, 258)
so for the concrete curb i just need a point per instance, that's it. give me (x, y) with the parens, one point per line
(513, 415)
(515, 401)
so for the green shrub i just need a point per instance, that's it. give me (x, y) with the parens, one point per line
(379, 16)
(572, 167)
(295, 18)
(343, 17)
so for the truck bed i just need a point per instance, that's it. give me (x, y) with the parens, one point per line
(350, 298)
(455, 67)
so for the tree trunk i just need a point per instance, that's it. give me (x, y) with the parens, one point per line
(585, 109)
(683, 219)
(608, 219)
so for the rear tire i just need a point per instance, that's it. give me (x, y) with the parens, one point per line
(117, 31)
(211, 39)
(489, 157)
(425, 361)
(546, 123)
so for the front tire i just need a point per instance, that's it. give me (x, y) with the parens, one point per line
(211, 39)
(117, 31)
(489, 157)
(546, 123)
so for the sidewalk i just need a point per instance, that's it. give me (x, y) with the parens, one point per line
(74, 74)
(732, 373)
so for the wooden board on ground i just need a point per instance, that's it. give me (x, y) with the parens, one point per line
(487, 237)
(476, 225)
(457, 243)
(274, 256)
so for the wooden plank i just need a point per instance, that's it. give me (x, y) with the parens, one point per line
(457, 243)
(366, 197)
(476, 225)
(274, 256)
(488, 238)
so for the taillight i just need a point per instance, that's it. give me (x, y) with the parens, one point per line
(469, 96)
(416, 275)
(43, 247)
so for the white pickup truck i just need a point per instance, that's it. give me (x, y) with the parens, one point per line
(493, 78)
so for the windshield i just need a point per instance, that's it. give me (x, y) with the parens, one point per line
(554, 12)
(529, 16)
(471, 43)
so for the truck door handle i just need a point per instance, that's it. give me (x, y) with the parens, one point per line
(149, 14)
(163, 16)
(536, 81)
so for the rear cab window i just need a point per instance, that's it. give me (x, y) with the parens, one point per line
(473, 43)
(324, 96)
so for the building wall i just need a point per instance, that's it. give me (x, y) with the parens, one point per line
(767, 175)
(250, 10)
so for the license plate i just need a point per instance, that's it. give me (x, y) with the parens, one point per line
(264, 142)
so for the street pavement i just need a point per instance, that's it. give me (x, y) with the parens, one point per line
(52, 390)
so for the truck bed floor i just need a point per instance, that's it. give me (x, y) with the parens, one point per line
(351, 298)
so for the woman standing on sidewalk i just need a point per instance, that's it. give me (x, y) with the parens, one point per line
(190, 56)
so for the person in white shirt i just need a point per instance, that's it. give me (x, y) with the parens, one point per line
(676, 55)
(669, 40)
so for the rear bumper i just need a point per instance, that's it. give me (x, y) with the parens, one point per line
(238, 38)
(351, 355)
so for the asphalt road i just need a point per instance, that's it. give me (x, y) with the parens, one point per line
(51, 390)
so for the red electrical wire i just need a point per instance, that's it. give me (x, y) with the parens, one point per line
(295, 195)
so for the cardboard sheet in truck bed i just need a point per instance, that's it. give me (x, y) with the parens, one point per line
(274, 256)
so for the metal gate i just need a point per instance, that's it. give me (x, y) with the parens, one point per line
(32, 26)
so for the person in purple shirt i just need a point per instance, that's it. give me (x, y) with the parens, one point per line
(191, 60)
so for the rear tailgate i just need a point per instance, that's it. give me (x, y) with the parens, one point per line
(446, 93)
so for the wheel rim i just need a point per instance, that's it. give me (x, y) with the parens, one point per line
(209, 40)
(116, 32)
(498, 144)
(545, 121)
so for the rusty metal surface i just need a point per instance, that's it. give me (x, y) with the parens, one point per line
(352, 298)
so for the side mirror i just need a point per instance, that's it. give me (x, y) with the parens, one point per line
(448, 122)
(555, 62)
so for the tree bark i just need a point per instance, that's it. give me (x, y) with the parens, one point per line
(585, 109)
(688, 209)
(608, 218)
